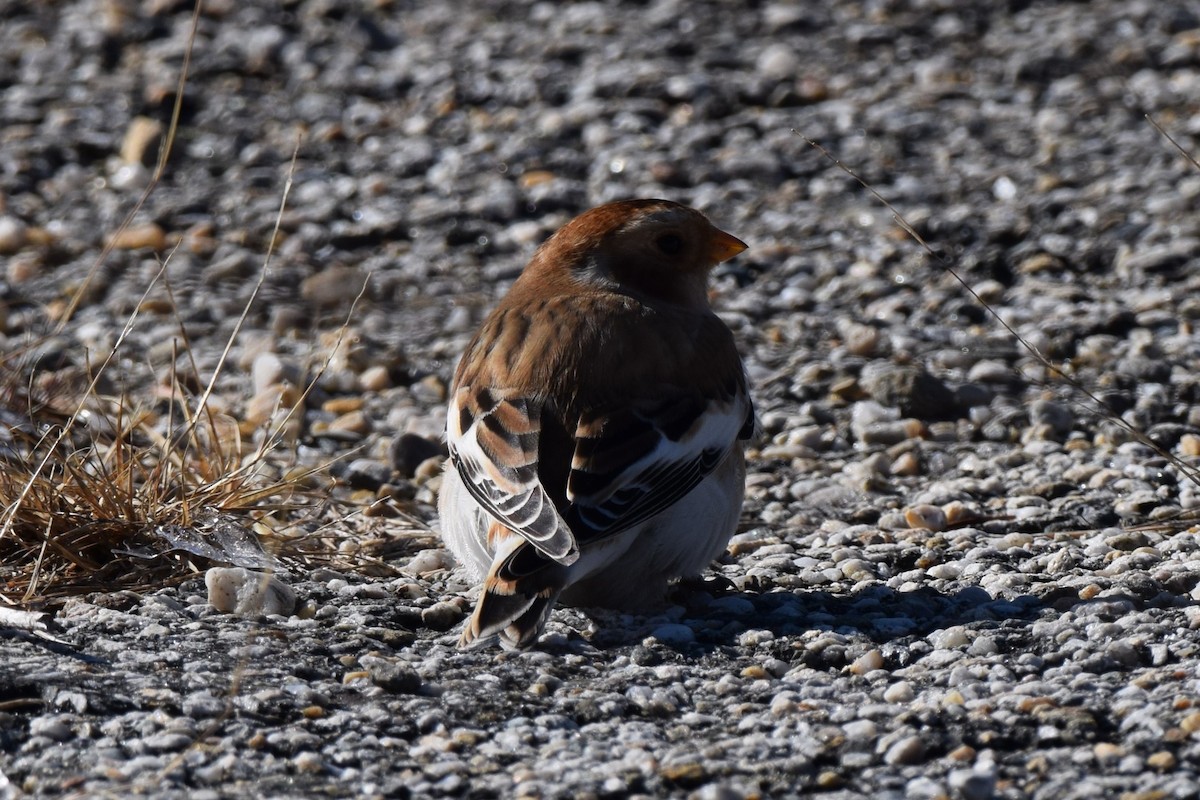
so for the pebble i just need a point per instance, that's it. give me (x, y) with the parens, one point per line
(241, 591)
(392, 675)
(268, 371)
(141, 140)
(375, 378)
(442, 616)
(850, 653)
(352, 422)
(333, 286)
(909, 750)
(12, 234)
(146, 236)
(925, 516)
(674, 635)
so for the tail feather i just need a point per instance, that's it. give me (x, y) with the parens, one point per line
(514, 608)
(517, 618)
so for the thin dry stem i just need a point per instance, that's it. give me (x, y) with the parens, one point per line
(1099, 405)
(164, 153)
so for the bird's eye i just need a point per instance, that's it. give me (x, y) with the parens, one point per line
(670, 243)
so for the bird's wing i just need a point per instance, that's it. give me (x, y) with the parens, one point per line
(493, 442)
(635, 461)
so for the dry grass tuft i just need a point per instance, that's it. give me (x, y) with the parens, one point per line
(116, 496)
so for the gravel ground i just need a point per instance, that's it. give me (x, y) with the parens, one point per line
(952, 578)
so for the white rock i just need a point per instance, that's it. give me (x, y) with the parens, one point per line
(241, 591)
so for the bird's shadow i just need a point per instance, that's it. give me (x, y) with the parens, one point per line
(877, 614)
(883, 616)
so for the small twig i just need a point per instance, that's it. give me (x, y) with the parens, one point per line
(163, 153)
(262, 278)
(1177, 145)
(1187, 469)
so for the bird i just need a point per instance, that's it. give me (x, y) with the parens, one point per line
(596, 424)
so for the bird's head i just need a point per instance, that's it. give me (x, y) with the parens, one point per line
(656, 248)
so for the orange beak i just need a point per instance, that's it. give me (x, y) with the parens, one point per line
(723, 247)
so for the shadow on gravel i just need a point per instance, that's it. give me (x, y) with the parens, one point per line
(52, 645)
(878, 614)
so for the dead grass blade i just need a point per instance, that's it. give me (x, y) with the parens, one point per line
(1098, 405)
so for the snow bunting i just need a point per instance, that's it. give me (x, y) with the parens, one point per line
(596, 423)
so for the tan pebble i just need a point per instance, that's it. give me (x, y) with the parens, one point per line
(257, 741)
(690, 773)
(199, 238)
(149, 236)
(1042, 262)
(375, 379)
(1106, 751)
(157, 305)
(13, 234)
(140, 136)
(1039, 765)
(307, 763)
(953, 698)
(828, 779)
(1191, 723)
(812, 90)
(914, 428)
(867, 662)
(847, 389)
(1182, 703)
(1027, 704)
(39, 237)
(1146, 681)
(332, 286)
(906, 465)
(925, 516)
(348, 660)
(263, 405)
(535, 177)
(1189, 444)
(862, 340)
(521, 775)
(22, 270)
(1162, 761)
(313, 712)
(462, 738)
(755, 672)
(362, 497)
(964, 752)
(380, 508)
(287, 426)
(910, 750)
(353, 421)
(342, 405)
(1090, 591)
(741, 548)
(434, 386)
(429, 468)
(358, 675)
(958, 513)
